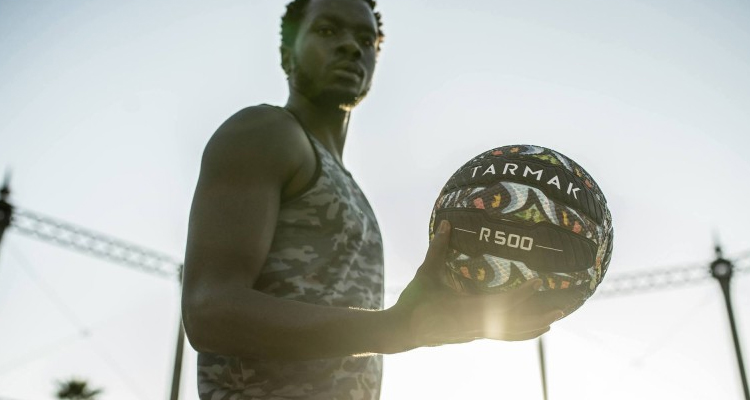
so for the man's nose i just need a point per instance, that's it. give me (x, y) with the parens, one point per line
(349, 46)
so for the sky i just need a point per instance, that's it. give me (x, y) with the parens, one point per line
(105, 108)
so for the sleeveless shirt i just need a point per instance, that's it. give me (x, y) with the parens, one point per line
(326, 250)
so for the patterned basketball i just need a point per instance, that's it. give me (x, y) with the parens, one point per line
(521, 212)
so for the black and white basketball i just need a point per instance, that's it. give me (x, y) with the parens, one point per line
(521, 212)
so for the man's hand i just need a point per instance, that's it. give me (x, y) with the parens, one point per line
(435, 314)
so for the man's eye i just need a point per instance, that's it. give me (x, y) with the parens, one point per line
(326, 31)
(367, 42)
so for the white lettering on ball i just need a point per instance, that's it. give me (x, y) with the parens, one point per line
(513, 240)
(528, 170)
(555, 181)
(511, 168)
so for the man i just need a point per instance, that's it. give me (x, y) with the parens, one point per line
(283, 284)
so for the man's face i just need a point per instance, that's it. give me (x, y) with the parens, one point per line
(334, 54)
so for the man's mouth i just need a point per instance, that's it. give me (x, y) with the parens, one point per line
(349, 71)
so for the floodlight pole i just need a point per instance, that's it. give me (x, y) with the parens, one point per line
(175, 393)
(722, 269)
(177, 371)
(542, 367)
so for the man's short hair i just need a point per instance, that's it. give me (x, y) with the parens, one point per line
(295, 12)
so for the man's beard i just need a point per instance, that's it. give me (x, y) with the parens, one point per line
(325, 96)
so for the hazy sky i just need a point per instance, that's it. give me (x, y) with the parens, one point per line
(105, 108)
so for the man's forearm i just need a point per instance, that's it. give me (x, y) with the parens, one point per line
(252, 324)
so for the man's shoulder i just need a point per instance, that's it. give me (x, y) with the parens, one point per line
(258, 124)
(262, 136)
(261, 130)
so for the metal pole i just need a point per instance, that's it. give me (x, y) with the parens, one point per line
(177, 371)
(737, 350)
(542, 367)
(722, 269)
(175, 395)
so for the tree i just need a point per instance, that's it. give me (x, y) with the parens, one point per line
(76, 389)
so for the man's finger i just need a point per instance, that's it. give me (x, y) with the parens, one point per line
(512, 298)
(435, 257)
(516, 337)
(532, 324)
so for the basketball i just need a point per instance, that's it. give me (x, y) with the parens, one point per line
(522, 212)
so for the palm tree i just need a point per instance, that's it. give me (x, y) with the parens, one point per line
(76, 389)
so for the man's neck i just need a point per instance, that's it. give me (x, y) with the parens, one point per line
(328, 124)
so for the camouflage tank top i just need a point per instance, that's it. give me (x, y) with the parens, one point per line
(326, 250)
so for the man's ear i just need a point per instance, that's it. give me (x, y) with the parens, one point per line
(286, 59)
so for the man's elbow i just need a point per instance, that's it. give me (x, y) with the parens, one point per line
(196, 320)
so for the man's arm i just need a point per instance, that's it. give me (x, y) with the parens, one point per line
(246, 166)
